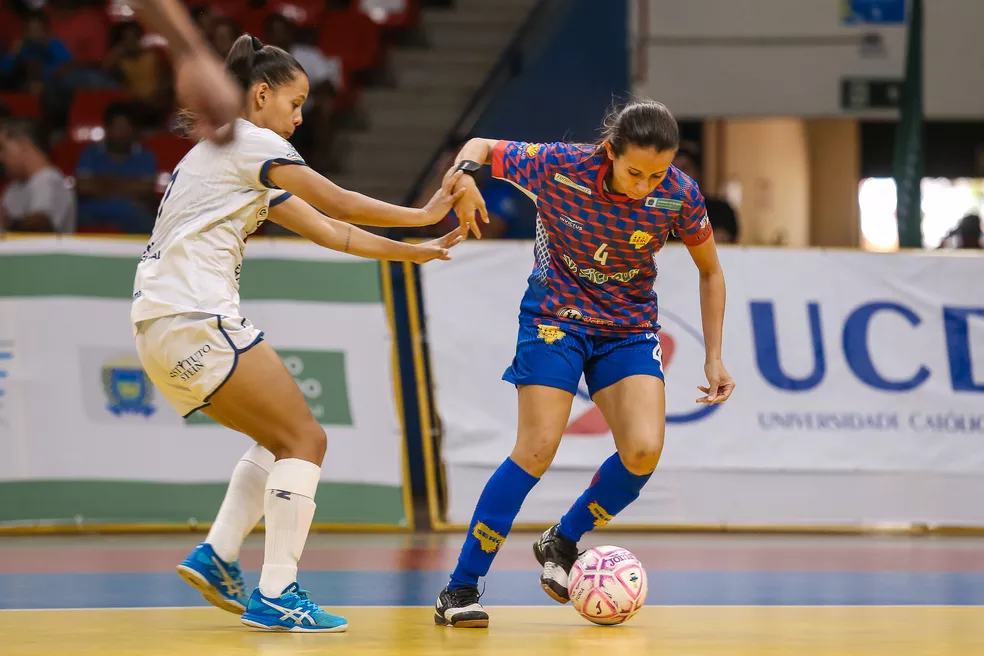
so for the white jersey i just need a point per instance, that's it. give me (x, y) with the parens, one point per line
(217, 197)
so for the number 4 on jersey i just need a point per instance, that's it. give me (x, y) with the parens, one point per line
(601, 255)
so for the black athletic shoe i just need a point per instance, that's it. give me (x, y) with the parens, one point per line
(459, 608)
(557, 555)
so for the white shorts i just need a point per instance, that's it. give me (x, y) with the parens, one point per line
(189, 357)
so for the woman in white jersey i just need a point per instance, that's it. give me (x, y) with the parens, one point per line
(203, 355)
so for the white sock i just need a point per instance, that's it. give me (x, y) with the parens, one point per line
(242, 506)
(289, 506)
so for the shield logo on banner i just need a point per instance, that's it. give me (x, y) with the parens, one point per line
(127, 388)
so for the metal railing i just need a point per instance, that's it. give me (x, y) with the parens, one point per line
(509, 66)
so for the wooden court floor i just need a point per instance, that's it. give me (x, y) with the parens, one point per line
(544, 631)
(709, 595)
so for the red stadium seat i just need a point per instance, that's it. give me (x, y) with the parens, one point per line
(168, 149)
(22, 104)
(10, 28)
(87, 113)
(66, 155)
(353, 37)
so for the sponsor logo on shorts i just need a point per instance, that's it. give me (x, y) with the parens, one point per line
(567, 182)
(640, 239)
(664, 203)
(187, 368)
(574, 314)
(489, 540)
(532, 150)
(550, 334)
(601, 516)
(128, 389)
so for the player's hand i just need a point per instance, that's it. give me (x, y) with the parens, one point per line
(443, 199)
(203, 86)
(719, 383)
(470, 203)
(437, 249)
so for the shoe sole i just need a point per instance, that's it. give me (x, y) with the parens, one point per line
(461, 624)
(207, 590)
(276, 628)
(544, 583)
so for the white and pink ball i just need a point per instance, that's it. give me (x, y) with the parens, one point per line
(608, 585)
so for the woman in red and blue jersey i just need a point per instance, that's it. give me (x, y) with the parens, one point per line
(604, 211)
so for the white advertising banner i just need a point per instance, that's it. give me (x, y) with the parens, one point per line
(859, 400)
(85, 436)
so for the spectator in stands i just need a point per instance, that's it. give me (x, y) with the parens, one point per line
(34, 59)
(39, 198)
(723, 218)
(116, 179)
(280, 31)
(966, 234)
(140, 70)
(224, 34)
(83, 30)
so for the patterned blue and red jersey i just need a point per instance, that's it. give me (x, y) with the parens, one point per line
(594, 255)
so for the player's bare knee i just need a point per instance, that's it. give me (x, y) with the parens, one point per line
(642, 457)
(534, 457)
(306, 442)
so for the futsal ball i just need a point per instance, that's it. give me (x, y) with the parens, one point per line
(608, 585)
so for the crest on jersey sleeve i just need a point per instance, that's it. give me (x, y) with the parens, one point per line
(531, 150)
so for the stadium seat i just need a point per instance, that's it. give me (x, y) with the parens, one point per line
(168, 149)
(22, 104)
(66, 155)
(353, 37)
(85, 121)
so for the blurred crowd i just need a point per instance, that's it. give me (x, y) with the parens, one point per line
(89, 131)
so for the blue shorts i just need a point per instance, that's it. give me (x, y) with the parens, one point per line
(556, 357)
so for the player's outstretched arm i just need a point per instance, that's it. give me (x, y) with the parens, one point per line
(352, 207)
(201, 82)
(712, 301)
(297, 216)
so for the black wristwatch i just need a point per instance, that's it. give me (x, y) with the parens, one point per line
(468, 166)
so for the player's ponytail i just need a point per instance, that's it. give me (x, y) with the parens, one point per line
(644, 124)
(251, 62)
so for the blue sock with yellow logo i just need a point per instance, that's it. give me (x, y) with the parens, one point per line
(498, 506)
(614, 487)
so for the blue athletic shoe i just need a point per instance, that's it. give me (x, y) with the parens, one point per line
(293, 611)
(221, 583)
